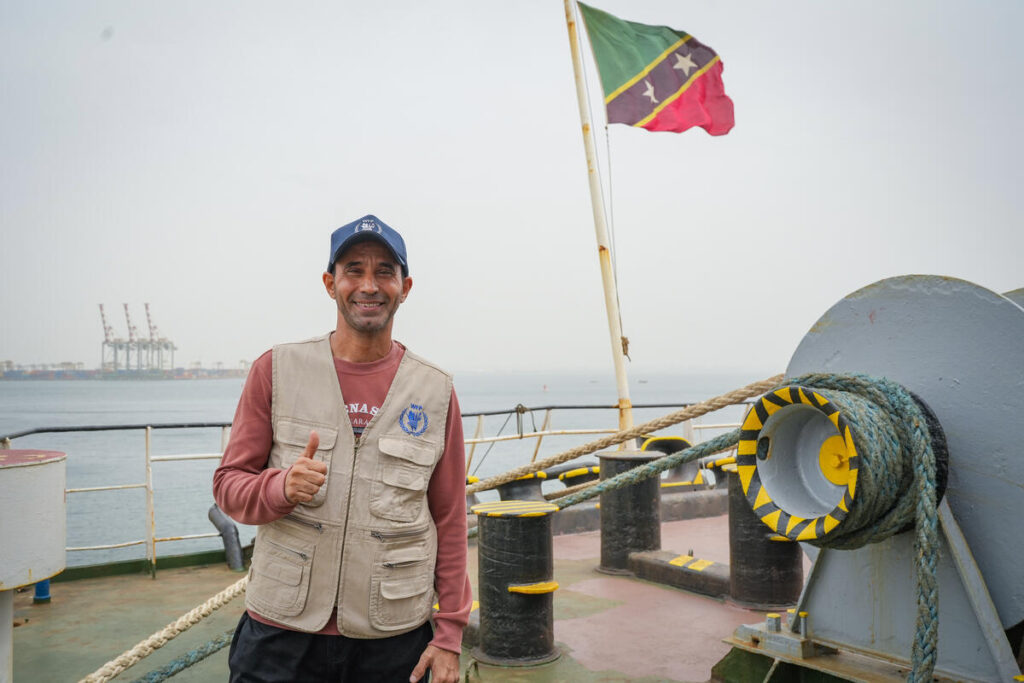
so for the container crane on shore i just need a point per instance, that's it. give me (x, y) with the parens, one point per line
(158, 345)
(133, 343)
(112, 348)
(137, 353)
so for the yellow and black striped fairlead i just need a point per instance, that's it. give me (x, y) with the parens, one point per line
(579, 472)
(837, 459)
(514, 508)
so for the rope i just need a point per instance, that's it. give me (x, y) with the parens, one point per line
(160, 638)
(709, 406)
(720, 443)
(188, 659)
(896, 488)
(569, 490)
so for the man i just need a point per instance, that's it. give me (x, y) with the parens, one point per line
(347, 451)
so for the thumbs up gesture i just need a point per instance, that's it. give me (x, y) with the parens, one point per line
(306, 475)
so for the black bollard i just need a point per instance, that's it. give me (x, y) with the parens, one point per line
(516, 586)
(526, 487)
(667, 445)
(630, 516)
(765, 569)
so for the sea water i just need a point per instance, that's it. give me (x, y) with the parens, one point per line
(182, 489)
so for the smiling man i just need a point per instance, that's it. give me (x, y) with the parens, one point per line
(347, 451)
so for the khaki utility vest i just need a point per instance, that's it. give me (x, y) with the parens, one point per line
(366, 543)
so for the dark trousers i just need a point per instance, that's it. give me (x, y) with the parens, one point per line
(261, 653)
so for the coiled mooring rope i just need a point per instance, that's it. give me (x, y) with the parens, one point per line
(160, 638)
(896, 485)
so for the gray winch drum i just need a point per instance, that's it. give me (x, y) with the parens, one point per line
(958, 348)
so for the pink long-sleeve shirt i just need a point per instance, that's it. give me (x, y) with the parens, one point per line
(249, 492)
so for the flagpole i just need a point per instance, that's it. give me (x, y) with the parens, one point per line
(601, 227)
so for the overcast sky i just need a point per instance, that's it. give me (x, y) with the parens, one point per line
(196, 155)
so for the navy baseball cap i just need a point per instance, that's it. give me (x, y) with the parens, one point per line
(368, 227)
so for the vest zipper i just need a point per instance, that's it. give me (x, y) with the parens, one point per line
(405, 563)
(385, 536)
(301, 554)
(316, 525)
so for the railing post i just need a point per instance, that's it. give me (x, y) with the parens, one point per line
(150, 512)
(544, 428)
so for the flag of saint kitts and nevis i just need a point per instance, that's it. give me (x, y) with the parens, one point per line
(656, 77)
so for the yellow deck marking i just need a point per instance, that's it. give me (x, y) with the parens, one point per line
(830, 523)
(770, 407)
(784, 394)
(746, 447)
(808, 533)
(681, 560)
(752, 421)
(700, 565)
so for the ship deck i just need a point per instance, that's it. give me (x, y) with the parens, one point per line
(607, 628)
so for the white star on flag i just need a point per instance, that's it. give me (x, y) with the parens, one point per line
(684, 64)
(649, 92)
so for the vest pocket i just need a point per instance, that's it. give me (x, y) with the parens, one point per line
(401, 593)
(280, 573)
(399, 490)
(293, 436)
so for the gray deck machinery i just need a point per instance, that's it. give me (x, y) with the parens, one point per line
(896, 457)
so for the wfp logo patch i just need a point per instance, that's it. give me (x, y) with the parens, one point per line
(413, 420)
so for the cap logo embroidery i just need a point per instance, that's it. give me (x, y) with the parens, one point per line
(413, 420)
(368, 225)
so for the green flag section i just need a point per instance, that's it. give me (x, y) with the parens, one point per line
(656, 77)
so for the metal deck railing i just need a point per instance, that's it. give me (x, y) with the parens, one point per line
(151, 539)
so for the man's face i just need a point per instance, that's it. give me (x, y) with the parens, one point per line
(368, 286)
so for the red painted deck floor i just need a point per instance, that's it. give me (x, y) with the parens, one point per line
(608, 628)
(618, 628)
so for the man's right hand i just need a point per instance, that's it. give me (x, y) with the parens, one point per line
(306, 476)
